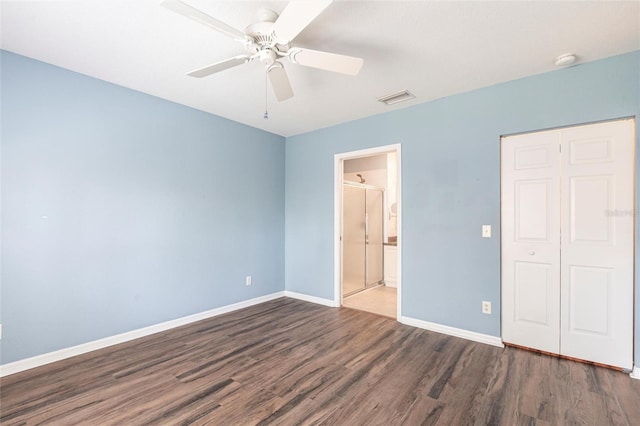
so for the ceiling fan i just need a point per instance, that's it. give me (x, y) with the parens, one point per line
(269, 39)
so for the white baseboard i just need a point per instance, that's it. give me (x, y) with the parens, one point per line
(635, 373)
(313, 299)
(452, 331)
(37, 361)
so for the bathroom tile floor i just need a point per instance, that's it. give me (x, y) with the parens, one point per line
(378, 300)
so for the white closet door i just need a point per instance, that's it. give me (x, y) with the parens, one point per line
(597, 243)
(531, 240)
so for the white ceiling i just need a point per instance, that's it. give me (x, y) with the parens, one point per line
(434, 49)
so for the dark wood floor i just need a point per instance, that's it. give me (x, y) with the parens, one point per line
(291, 362)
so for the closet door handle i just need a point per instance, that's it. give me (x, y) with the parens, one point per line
(532, 252)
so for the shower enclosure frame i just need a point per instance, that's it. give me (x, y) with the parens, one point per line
(362, 237)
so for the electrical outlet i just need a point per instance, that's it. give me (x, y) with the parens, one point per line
(486, 307)
(248, 280)
(486, 231)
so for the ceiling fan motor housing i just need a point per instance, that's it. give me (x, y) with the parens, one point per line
(261, 34)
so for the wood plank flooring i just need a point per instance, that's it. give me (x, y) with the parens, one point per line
(289, 362)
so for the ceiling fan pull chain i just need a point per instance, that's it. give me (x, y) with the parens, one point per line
(266, 112)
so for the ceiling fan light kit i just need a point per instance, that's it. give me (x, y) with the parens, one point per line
(269, 40)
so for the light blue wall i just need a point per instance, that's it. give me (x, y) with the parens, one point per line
(156, 211)
(451, 185)
(153, 210)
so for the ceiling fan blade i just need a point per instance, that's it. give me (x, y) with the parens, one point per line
(280, 82)
(326, 61)
(295, 18)
(199, 16)
(220, 66)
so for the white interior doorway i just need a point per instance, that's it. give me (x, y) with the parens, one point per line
(364, 183)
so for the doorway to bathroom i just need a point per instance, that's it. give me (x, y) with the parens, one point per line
(367, 230)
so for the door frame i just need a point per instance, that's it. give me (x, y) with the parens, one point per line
(337, 218)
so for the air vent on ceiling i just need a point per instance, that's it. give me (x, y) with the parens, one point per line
(394, 98)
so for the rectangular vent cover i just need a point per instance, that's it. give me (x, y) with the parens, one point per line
(394, 98)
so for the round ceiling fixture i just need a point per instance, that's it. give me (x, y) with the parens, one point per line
(566, 59)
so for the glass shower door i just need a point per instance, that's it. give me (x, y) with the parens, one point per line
(353, 239)
(375, 237)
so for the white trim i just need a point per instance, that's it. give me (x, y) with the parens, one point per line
(337, 217)
(313, 299)
(338, 177)
(452, 331)
(399, 238)
(39, 360)
(635, 373)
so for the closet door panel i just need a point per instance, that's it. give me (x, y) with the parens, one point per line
(590, 310)
(590, 198)
(533, 287)
(530, 241)
(597, 245)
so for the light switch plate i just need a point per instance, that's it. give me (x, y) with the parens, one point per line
(486, 231)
